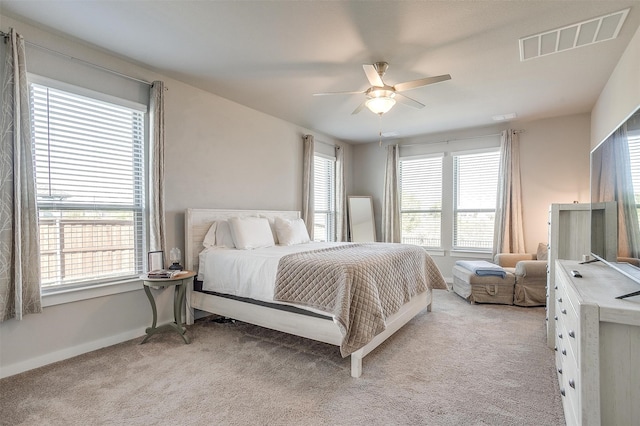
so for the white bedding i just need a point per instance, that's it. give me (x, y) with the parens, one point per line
(247, 273)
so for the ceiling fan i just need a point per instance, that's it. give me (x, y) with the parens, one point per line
(381, 97)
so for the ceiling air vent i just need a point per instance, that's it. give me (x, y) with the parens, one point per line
(592, 31)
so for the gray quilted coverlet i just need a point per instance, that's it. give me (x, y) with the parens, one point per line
(359, 284)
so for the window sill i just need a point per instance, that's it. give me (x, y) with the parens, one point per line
(434, 252)
(472, 254)
(61, 296)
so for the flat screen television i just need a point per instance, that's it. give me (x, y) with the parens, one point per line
(615, 199)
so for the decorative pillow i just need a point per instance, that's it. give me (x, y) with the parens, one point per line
(543, 252)
(210, 238)
(272, 224)
(251, 232)
(223, 235)
(291, 232)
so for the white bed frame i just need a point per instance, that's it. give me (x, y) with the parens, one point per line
(197, 223)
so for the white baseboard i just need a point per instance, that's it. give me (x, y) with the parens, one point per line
(30, 364)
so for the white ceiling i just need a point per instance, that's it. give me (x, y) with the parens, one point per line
(273, 55)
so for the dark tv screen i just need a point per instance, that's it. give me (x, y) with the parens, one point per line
(615, 198)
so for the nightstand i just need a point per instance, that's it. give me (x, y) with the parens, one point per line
(179, 283)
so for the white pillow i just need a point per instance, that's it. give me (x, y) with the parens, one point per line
(210, 238)
(251, 232)
(291, 232)
(224, 238)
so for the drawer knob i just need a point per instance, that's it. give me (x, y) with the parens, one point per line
(555, 348)
(572, 383)
(564, 311)
(564, 352)
(560, 299)
(559, 335)
(555, 317)
(572, 334)
(555, 287)
(562, 392)
(560, 370)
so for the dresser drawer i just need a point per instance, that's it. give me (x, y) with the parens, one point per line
(569, 388)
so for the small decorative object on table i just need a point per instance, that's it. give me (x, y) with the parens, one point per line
(155, 261)
(174, 257)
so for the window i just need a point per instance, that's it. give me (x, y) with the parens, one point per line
(421, 201)
(475, 183)
(324, 181)
(89, 167)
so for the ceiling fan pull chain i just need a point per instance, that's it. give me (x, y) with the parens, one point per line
(380, 130)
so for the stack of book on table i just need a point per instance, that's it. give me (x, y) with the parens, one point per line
(163, 273)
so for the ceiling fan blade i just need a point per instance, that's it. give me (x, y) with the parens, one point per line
(401, 87)
(357, 110)
(373, 76)
(405, 100)
(357, 92)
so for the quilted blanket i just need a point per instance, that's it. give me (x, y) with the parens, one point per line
(361, 285)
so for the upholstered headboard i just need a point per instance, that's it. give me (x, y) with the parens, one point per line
(198, 221)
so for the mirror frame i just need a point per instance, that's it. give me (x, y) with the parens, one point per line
(372, 217)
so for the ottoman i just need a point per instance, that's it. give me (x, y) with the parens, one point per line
(483, 289)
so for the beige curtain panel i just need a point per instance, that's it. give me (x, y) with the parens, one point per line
(391, 198)
(19, 238)
(307, 183)
(508, 230)
(157, 237)
(341, 197)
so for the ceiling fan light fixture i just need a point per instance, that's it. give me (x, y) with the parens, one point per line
(380, 101)
(380, 105)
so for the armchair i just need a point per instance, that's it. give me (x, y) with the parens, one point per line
(530, 270)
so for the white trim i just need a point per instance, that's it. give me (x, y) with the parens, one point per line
(61, 296)
(491, 149)
(19, 367)
(421, 156)
(473, 254)
(325, 156)
(82, 91)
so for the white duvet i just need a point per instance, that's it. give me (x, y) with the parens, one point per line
(247, 273)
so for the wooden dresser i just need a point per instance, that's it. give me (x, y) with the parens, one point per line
(597, 345)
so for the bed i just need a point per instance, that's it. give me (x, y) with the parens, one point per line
(289, 313)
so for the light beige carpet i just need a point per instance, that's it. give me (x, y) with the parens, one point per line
(458, 365)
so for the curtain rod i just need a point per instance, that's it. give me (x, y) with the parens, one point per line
(455, 140)
(82, 61)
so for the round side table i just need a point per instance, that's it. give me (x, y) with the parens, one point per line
(179, 282)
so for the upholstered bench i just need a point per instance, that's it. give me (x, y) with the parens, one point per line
(483, 289)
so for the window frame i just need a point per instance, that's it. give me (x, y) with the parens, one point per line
(84, 289)
(456, 192)
(440, 156)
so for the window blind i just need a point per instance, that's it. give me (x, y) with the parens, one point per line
(421, 201)
(324, 198)
(475, 196)
(89, 166)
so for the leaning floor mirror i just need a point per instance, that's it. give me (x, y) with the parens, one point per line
(361, 221)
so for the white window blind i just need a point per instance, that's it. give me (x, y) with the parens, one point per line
(421, 201)
(475, 192)
(324, 198)
(89, 166)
